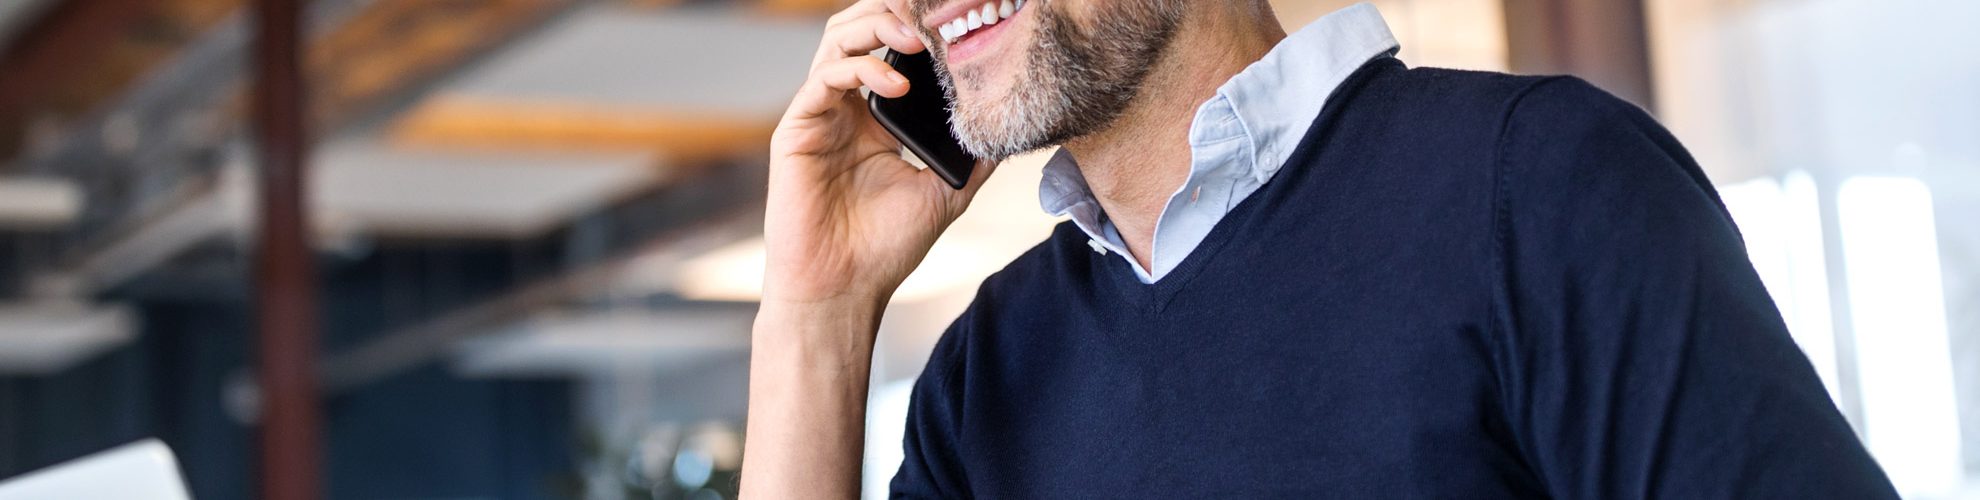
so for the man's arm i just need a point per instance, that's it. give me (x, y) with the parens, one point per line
(845, 221)
(807, 399)
(1640, 357)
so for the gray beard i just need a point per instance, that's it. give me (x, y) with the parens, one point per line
(1077, 80)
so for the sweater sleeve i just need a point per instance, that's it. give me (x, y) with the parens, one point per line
(1639, 355)
(929, 466)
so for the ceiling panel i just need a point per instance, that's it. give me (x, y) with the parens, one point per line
(687, 59)
(378, 189)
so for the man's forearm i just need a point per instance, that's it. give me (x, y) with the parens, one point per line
(807, 399)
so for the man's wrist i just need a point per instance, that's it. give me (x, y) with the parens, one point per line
(843, 324)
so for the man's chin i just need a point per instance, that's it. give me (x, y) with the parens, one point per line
(1000, 144)
(982, 125)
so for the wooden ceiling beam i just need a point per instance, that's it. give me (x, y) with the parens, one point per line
(801, 7)
(484, 123)
(396, 46)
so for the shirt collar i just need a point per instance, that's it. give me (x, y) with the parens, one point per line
(1318, 57)
(1268, 106)
(1063, 192)
(1277, 98)
(1063, 187)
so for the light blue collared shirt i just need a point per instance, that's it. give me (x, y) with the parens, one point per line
(1240, 138)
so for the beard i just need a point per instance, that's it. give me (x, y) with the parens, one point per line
(1076, 80)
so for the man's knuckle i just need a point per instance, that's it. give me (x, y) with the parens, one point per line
(839, 42)
(841, 17)
(812, 89)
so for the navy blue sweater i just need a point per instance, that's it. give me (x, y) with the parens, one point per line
(1463, 285)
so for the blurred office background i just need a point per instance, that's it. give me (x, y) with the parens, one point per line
(535, 224)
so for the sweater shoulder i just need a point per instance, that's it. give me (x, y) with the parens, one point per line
(1537, 134)
(1403, 112)
(1490, 84)
(1565, 133)
(1443, 93)
(1565, 105)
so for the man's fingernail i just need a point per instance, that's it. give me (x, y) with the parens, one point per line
(897, 77)
(905, 30)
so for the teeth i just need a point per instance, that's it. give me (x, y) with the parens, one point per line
(990, 13)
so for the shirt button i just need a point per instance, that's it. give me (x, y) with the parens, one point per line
(1097, 247)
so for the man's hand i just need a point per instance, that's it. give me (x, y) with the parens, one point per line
(848, 217)
(847, 220)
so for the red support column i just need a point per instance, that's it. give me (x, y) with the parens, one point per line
(285, 284)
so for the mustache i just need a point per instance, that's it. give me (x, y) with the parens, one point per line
(918, 12)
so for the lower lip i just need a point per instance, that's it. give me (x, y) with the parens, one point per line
(980, 41)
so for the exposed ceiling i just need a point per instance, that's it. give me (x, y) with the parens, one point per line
(67, 58)
(455, 120)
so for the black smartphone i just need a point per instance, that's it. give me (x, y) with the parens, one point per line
(920, 119)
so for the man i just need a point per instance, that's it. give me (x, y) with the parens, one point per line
(1295, 268)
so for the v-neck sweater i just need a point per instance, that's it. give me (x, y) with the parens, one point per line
(1461, 285)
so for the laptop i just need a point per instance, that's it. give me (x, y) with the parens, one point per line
(144, 470)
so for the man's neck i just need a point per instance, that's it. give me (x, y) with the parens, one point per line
(1136, 164)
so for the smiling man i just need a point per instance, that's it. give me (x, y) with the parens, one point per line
(1295, 267)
